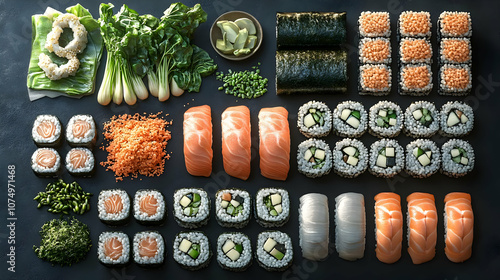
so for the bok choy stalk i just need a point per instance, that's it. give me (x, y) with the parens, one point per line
(180, 64)
(130, 50)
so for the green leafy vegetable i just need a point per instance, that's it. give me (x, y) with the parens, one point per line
(64, 241)
(83, 81)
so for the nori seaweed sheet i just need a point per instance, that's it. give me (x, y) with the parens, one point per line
(311, 71)
(310, 30)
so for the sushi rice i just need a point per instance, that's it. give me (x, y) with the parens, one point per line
(195, 242)
(350, 158)
(349, 125)
(234, 251)
(122, 258)
(263, 213)
(417, 123)
(314, 119)
(423, 158)
(274, 242)
(314, 158)
(457, 158)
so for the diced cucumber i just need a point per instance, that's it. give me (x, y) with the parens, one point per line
(382, 152)
(238, 248)
(456, 159)
(345, 114)
(424, 160)
(316, 117)
(392, 122)
(392, 116)
(353, 121)
(273, 212)
(278, 208)
(188, 211)
(230, 209)
(196, 204)
(196, 197)
(356, 114)
(452, 120)
(193, 253)
(321, 121)
(389, 151)
(380, 122)
(390, 112)
(275, 199)
(277, 254)
(309, 120)
(349, 150)
(307, 155)
(195, 211)
(382, 113)
(319, 154)
(464, 161)
(381, 161)
(185, 245)
(352, 161)
(417, 114)
(425, 111)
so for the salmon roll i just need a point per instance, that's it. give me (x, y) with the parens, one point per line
(81, 131)
(459, 226)
(113, 248)
(198, 151)
(149, 249)
(455, 80)
(47, 131)
(374, 24)
(454, 24)
(113, 207)
(191, 250)
(46, 162)
(150, 208)
(414, 24)
(80, 162)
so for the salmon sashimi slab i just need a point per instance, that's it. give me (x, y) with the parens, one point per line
(459, 225)
(389, 227)
(274, 147)
(422, 227)
(198, 152)
(236, 141)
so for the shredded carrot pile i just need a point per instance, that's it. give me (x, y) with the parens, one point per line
(136, 145)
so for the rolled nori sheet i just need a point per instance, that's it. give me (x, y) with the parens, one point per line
(311, 71)
(310, 29)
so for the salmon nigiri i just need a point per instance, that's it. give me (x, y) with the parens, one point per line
(389, 227)
(198, 152)
(236, 141)
(422, 227)
(459, 225)
(274, 147)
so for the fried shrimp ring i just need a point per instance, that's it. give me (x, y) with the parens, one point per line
(76, 46)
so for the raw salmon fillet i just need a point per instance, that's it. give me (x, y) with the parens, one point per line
(459, 226)
(389, 225)
(274, 147)
(198, 152)
(236, 141)
(422, 227)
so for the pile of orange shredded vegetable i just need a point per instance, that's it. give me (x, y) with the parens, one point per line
(136, 145)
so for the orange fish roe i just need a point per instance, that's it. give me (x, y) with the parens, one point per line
(412, 23)
(415, 50)
(455, 50)
(375, 78)
(456, 78)
(455, 24)
(376, 51)
(416, 77)
(136, 145)
(374, 24)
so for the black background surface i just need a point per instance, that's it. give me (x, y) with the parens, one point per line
(18, 113)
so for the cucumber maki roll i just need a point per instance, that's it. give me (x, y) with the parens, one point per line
(47, 131)
(458, 158)
(414, 24)
(421, 119)
(350, 119)
(374, 24)
(80, 162)
(455, 80)
(272, 207)
(234, 251)
(385, 119)
(415, 50)
(454, 24)
(314, 158)
(46, 162)
(311, 71)
(191, 207)
(113, 207)
(149, 249)
(81, 131)
(113, 248)
(386, 158)
(455, 51)
(314, 119)
(232, 208)
(415, 79)
(310, 30)
(149, 207)
(191, 250)
(375, 51)
(457, 119)
(374, 80)
(274, 250)
(350, 158)
(422, 158)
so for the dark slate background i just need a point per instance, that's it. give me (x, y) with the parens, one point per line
(18, 113)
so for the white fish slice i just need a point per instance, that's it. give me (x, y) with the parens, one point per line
(314, 226)
(350, 230)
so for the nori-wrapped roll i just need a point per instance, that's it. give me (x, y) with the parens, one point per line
(311, 71)
(310, 29)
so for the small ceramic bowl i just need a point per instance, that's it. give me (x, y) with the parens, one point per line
(215, 33)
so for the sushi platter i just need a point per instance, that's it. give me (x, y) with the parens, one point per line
(282, 139)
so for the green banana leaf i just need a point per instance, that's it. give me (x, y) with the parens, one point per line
(84, 80)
